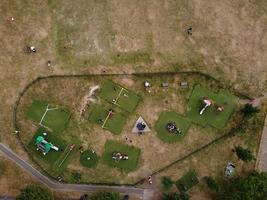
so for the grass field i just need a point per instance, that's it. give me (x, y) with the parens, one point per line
(188, 181)
(210, 115)
(114, 123)
(86, 162)
(51, 117)
(52, 155)
(182, 123)
(119, 96)
(125, 165)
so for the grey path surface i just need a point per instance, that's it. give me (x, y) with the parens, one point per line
(261, 164)
(53, 185)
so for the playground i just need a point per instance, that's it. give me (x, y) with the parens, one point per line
(180, 126)
(212, 116)
(100, 140)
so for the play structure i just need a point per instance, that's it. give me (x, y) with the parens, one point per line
(117, 156)
(140, 126)
(44, 146)
(205, 104)
(172, 128)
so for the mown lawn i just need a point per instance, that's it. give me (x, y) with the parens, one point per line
(115, 146)
(211, 116)
(120, 96)
(182, 123)
(88, 159)
(114, 124)
(55, 120)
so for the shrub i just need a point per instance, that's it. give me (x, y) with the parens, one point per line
(243, 154)
(105, 196)
(35, 192)
(212, 184)
(249, 110)
(167, 183)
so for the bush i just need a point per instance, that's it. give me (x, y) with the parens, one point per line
(211, 183)
(243, 154)
(167, 183)
(76, 177)
(35, 192)
(105, 196)
(249, 110)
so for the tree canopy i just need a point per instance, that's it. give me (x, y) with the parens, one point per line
(35, 192)
(253, 187)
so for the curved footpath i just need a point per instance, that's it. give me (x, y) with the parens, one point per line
(53, 185)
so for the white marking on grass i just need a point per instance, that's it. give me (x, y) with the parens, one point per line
(103, 126)
(64, 158)
(46, 110)
(115, 102)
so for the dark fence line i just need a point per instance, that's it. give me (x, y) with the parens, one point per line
(21, 94)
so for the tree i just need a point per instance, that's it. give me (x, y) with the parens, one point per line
(249, 110)
(243, 154)
(167, 183)
(105, 196)
(212, 184)
(175, 196)
(253, 187)
(35, 192)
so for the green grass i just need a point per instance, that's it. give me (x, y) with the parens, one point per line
(125, 165)
(52, 156)
(210, 115)
(114, 124)
(36, 111)
(88, 163)
(127, 100)
(182, 122)
(55, 120)
(187, 181)
(66, 157)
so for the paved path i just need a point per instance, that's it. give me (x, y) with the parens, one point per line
(53, 185)
(261, 163)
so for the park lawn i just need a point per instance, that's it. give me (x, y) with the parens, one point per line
(52, 156)
(187, 181)
(128, 101)
(210, 115)
(36, 110)
(125, 99)
(114, 124)
(55, 120)
(88, 163)
(125, 165)
(65, 158)
(182, 122)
